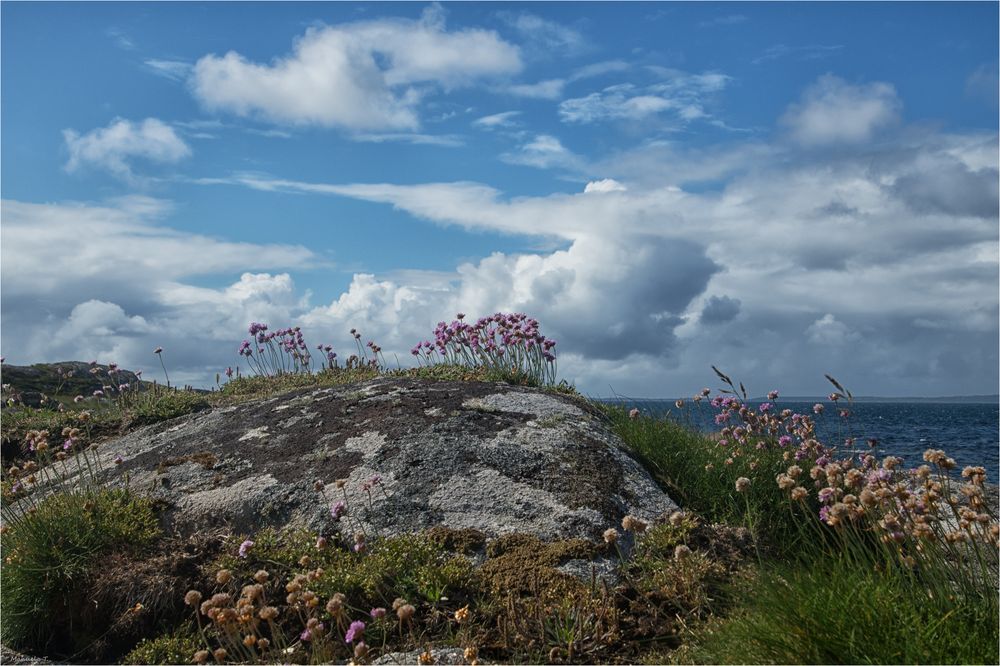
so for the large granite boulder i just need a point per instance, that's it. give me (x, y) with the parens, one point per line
(496, 458)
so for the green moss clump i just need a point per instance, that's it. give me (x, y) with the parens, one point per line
(410, 566)
(523, 564)
(49, 553)
(464, 540)
(177, 647)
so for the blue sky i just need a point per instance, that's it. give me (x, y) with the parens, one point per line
(780, 189)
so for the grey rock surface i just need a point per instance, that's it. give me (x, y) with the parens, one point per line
(453, 656)
(492, 457)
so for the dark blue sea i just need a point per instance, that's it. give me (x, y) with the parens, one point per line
(968, 432)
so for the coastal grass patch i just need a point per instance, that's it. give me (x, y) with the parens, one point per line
(702, 476)
(50, 550)
(839, 613)
(150, 407)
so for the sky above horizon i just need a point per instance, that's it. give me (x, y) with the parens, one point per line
(782, 190)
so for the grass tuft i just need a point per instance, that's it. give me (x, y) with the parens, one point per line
(48, 554)
(842, 614)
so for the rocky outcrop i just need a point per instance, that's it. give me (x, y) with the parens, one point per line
(404, 455)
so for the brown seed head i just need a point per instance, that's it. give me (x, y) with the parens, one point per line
(335, 605)
(201, 656)
(220, 655)
(462, 615)
(632, 524)
(224, 576)
(261, 576)
(220, 599)
(192, 598)
(405, 612)
(610, 535)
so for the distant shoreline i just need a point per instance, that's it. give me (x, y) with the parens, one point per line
(953, 400)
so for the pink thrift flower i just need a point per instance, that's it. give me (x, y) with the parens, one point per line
(356, 631)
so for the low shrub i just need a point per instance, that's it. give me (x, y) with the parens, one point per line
(173, 648)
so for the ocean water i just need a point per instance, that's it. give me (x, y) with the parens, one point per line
(968, 432)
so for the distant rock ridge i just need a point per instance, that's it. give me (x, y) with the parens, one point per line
(31, 381)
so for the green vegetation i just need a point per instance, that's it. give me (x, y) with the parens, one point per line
(48, 554)
(173, 648)
(859, 580)
(840, 614)
(783, 552)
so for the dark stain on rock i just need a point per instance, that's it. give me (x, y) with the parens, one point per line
(589, 477)
(205, 459)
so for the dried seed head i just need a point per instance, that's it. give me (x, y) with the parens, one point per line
(305, 561)
(340, 483)
(268, 613)
(335, 605)
(682, 553)
(249, 640)
(742, 484)
(397, 602)
(611, 535)
(224, 576)
(220, 599)
(676, 518)
(426, 657)
(471, 654)
(261, 576)
(462, 615)
(192, 598)
(263, 644)
(253, 592)
(200, 657)
(799, 493)
(405, 612)
(632, 524)
(220, 655)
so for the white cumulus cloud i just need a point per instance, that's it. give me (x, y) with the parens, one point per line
(360, 76)
(604, 185)
(833, 111)
(122, 142)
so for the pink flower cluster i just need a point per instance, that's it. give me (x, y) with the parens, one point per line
(275, 353)
(507, 342)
